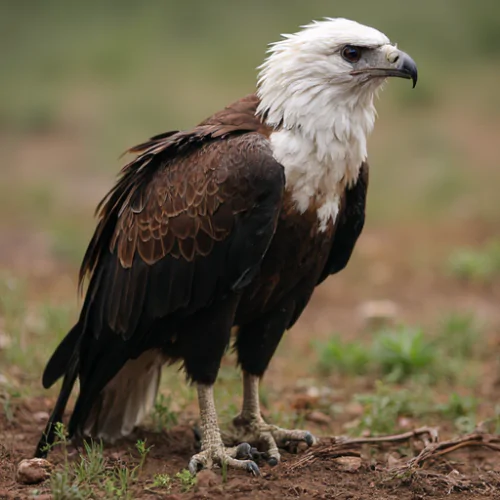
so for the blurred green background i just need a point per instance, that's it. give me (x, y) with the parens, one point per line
(82, 81)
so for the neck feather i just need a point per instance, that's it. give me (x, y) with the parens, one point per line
(320, 139)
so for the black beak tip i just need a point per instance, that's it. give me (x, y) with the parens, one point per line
(414, 78)
(410, 68)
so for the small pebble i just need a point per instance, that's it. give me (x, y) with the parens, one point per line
(376, 313)
(33, 471)
(348, 464)
(40, 416)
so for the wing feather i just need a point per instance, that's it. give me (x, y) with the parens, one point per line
(189, 219)
(350, 223)
(177, 217)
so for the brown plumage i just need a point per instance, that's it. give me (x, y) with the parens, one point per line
(198, 235)
(201, 234)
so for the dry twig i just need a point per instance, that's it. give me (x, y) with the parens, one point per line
(434, 450)
(346, 447)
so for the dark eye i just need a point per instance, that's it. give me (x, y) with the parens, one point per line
(351, 54)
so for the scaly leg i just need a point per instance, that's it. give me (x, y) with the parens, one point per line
(250, 426)
(213, 451)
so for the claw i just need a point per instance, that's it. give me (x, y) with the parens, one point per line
(197, 434)
(309, 439)
(194, 466)
(244, 451)
(257, 455)
(253, 468)
(255, 429)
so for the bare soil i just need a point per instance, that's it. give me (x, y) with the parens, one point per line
(404, 265)
(368, 472)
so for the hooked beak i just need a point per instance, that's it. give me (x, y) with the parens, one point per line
(391, 62)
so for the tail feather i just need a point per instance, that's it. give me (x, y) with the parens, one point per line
(115, 395)
(58, 364)
(127, 399)
(56, 417)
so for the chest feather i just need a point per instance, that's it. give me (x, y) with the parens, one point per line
(317, 171)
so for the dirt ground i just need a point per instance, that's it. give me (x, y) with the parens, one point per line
(404, 266)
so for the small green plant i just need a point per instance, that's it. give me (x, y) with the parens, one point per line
(140, 446)
(92, 463)
(492, 424)
(460, 335)
(476, 265)
(8, 401)
(163, 481)
(186, 479)
(63, 488)
(163, 417)
(395, 354)
(403, 353)
(224, 471)
(466, 424)
(458, 406)
(91, 475)
(63, 483)
(382, 409)
(337, 355)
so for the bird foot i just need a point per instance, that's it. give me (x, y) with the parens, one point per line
(237, 457)
(255, 430)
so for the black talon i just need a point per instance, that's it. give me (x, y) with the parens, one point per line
(257, 455)
(309, 439)
(244, 451)
(194, 467)
(197, 437)
(253, 468)
(272, 461)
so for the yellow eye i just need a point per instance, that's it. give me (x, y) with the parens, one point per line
(351, 54)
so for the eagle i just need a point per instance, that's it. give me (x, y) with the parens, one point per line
(226, 227)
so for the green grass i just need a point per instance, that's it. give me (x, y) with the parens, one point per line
(395, 354)
(346, 357)
(9, 399)
(383, 409)
(461, 335)
(186, 479)
(410, 353)
(163, 417)
(476, 265)
(162, 481)
(458, 406)
(91, 475)
(404, 353)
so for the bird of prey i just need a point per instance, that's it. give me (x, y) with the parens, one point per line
(229, 225)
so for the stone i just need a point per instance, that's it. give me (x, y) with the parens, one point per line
(348, 464)
(378, 313)
(41, 417)
(33, 471)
